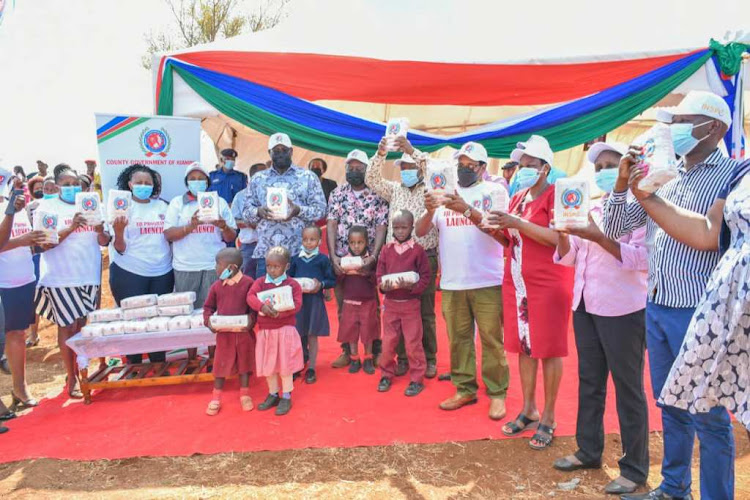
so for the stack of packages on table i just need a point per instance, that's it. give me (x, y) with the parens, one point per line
(146, 314)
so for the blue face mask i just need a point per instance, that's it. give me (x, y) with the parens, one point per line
(142, 191)
(225, 274)
(276, 281)
(605, 179)
(68, 193)
(682, 137)
(229, 164)
(196, 187)
(526, 177)
(309, 254)
(49, 196)
(409, 178)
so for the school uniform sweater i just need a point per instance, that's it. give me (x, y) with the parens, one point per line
(285, 318)
(229, 298)
(413, 259)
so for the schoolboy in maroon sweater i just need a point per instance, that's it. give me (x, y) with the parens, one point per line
(402, 303)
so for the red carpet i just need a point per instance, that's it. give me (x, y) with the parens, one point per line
(341, 410)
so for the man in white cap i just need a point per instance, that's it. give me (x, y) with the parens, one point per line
(678, 276)
(306, 201)
(355, 204)
(471, 262)
(408, 194)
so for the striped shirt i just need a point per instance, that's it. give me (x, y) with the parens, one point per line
(677, 274)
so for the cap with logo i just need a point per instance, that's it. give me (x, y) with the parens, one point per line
(698, 102)
(536, 146)
(598, 148)
(473, 150)
(358, 155)
(279, 138)
(405, 158)
(196, 167)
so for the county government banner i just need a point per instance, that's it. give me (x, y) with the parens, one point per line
(165, 143)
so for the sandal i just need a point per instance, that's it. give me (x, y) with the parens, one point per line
(544, 434)
(32, 343)
(19, 404)
(73, 392)
(515, 429)
(213, 407)
(247, 403)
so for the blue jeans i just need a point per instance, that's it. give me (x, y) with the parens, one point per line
(665, 330)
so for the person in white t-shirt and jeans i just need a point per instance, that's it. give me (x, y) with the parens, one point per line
(70, 272)
(471, 260)
(140, 256)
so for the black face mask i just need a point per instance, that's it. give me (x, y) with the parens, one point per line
(38, 195)
(356, 179)
(282, 161)
(467, 177)
(317, 172)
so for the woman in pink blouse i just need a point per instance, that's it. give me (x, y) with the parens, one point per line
(609, 301)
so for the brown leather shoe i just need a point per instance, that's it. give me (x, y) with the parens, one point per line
(457, 401)
(497, 408)
(342, 361)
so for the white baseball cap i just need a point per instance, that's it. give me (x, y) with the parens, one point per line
(473, 150)
(698, 102)
(598, 148)
(279, 138)
(405, 158)
(358, 155)
(196, 167)
(536, 146)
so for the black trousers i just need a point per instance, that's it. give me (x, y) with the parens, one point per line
(613, 345)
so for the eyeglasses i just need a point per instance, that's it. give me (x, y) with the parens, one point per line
(474, 166)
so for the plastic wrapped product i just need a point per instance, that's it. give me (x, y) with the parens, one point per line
(179, 323)
(47, 222)
(89, 206)
(496, 200)
(410, 277)
(571, 203)
(208, 206)
(397, 127)
(136, 326)
(277, 201)
(104, 315)
(158, 324)
(140, 313)
(657, 157)
(307, 284)
(95, 330)
(176, 299)
(279, 298)
(118, 204)
(351, 263)
(196, 321)
(183, 310)
(113, 328)
(440, 178)
(139, 301)
(229, 323)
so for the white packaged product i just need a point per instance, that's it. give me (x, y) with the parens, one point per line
(89, 205)
(571, 203)
(657, 157)
(496, 200)
(277, 201)
(136, 326)
(280, 298)
(196, 321)
(179, 323)
(409, 277)
(351, 263)
(440, 178)
(208, 206)
(113, 328)
(185, 309)
(104, 315)
(118, 204)
(140, 313)
(158, 324)
(95, 330)
(47, 222)
(396, 127)
(229, 323)
(307, 284)
(176, 299)
(139, 301)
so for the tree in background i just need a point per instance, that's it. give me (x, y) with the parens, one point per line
(203, 21)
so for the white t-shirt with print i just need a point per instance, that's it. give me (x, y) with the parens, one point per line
(16, 265)
(196, 251)
(469, 258)
(147, 251)
(77, 261)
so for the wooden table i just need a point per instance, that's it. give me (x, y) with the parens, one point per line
(145, 374)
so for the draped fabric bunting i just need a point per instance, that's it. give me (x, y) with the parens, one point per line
(251, 88)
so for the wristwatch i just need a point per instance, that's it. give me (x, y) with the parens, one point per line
(467, 214)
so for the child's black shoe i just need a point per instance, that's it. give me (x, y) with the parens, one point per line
(310, 376)
(384, 385)
(284, 406)
(271, 401)
(355, 366)
(369, 366)
(413, 389)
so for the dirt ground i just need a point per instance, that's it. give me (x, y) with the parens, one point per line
(479, 469)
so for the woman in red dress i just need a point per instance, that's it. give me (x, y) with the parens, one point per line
(537, 294)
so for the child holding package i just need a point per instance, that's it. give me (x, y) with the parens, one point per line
(402, 308)
(359, 315)
(235, 351)
(278, 353)
(312, 320)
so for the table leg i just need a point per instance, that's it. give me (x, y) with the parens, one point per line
(85, 389)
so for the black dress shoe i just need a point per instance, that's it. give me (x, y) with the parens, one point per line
(355, 366)
(413, 389)
(7, 416)
(271, 401)
(566, 465)
(656, 494)
(616, 488)
(384, 385)
(284, 406)
(368, 366)
(310, 377)
(3, 430)
(401, 368)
